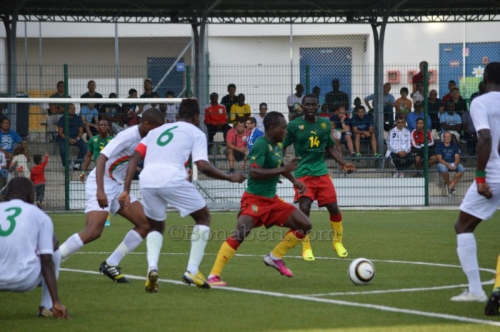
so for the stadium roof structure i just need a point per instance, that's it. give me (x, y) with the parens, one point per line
(254, 11)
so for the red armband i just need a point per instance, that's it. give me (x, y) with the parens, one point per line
(480, 180)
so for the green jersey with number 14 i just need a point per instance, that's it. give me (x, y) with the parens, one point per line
(309, 141)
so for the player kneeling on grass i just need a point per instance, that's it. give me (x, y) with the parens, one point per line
(102, 188)
(261, 206)
(163, 182)
(28, 248)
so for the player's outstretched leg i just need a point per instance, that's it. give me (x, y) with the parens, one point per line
(300, 225)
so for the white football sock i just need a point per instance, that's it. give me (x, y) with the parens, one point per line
(154, 242)
(129, 243)
(199, 240)
(72, 245)
(467, 254)
(46, 299)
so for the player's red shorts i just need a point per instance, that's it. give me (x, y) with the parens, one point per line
(265, 211)
(318, 188)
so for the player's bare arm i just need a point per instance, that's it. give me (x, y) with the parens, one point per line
(259, 173)
(86, 163)
(208, 169)
(102, 199)
(346, 167)
(483, 155)
(48, 272)
(124, 198)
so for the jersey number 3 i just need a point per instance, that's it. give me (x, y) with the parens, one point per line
(314, 141)
(167, 133)
(12, 221)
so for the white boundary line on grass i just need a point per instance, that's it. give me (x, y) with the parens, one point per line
(321, 300)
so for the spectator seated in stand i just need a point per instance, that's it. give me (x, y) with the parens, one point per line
(469, 132)
(399, 147)
(8, 140)
(4, 172)
(451, 122)
(215, 119)
(19, 164)
(254, 133)
(403, 105)
(129, 110)
(418, 144)
(237, 139)
(448, 158)
(324, 113)
(74, 136)
(113, 114)
(90, 118)
(341, 131)
(411, 119)
(362, 126)
(240, 111)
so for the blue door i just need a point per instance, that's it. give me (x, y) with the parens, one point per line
(174, 81)
(451, 62)
(325, 65)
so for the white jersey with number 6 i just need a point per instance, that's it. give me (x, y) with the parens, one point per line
(166, 149)
(25, 233)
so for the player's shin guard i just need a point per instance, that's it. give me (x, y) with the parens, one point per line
(70, 246)
(226, 252)
(497, 278)
(467, 254)
(338, 229)
(306, 243)
(129, 243)
(154, 242)
(199, 240)
(291, 239)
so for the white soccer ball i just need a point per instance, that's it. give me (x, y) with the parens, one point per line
(361, 271)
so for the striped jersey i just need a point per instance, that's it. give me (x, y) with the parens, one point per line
(118, 152)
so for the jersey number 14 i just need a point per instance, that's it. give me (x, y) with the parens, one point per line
(314, 141)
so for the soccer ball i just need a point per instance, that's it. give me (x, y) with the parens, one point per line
(361, 271)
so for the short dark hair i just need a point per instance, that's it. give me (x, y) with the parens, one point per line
(188, 108)
(403, 89)
(420, 119)
(21, 188)
(452, 81)
(37, 159)
(241, 95)
(455, 88)
(309, 95)
(169, 92)
(272, 119)
(153, 115)
(131, 91)
(213, 94)
(231, 85)
(60, 82)
(335, 80)
(252, 120)
(492, 72)
(112, 95)
(262, 104)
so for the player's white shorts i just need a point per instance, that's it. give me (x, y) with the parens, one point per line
(478, 205)
(185, 198)
(112, 189)
(27, 279)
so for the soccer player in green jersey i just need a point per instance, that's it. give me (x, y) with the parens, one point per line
(260, 206)
(311, 136)
(94, 146)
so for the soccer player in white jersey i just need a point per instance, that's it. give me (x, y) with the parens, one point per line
(163, 181)
(102, 188)
(27, 243)
(483, 197)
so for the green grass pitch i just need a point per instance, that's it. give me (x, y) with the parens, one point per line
(414, 253)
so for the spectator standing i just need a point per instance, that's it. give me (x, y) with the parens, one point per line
(317, 92)
(90, 119)
(418, 77)
(91, 86)
(8, 139)
(255, 133)
(170, 109)
(362, 126)
(470, 134)
(56, 111)
(399, 148)
(481, 91)
(418, 144)
(389, 103)
(19, 164)
(403, 105)
(130, 109)
(148, 93)
(37, 176)
(294, 102)
(229, 100)
(336, 98)
(240, 111)
(237, 140)
(260, 117)
(215, 119)
(74, 136)
(113, 114)
(448, 158)
(412, 118)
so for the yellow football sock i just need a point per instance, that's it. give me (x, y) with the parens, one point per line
(497, 278)
(306, 243)
(224, 255)
(289, 241)
(337, 231)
